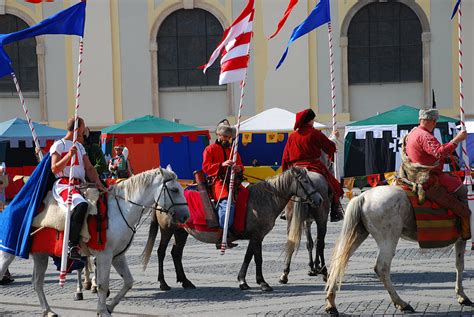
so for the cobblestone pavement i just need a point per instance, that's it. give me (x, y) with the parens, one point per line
(423, 278)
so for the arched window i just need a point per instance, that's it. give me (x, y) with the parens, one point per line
(185, 40)
(23, 56)
(384, 45)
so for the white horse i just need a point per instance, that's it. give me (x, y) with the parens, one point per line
(385, 213)
(127, 201)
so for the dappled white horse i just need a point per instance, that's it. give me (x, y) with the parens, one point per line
(127, 201)
(386, 214)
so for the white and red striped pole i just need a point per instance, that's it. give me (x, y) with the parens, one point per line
(333, 96)
(27, 115)
(234, 159)
(467, 170)
(64, 256)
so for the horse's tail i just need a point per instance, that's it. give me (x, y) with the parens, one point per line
(296, 227)
(152, 233)
(350, 238)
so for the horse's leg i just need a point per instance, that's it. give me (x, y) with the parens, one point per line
(78, 294)
(87, 274)
(103, 266)
(289, 256)
(320, 245)
(39, 270)
(387, 249)
(258, 267)
(121, 266)
(309, 246)
(180, 237)
(460, 247)
(243, 270)
(165, 239)
(5, 260)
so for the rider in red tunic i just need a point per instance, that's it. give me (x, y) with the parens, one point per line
(304, 147)
(422, 147)
(217, 162)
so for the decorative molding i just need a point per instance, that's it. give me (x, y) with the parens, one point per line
(40, 54)
(188, 4)
(2, 7)
(153, 48)
(425, 38)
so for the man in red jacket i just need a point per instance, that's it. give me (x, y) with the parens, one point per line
(217, 163)
(303, 149)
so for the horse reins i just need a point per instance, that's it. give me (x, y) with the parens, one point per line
(155, 207)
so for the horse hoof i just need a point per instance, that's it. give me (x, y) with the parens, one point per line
(50, 314)
(244, 286)
(283, 280)
(465, 301)
(265, 287)
(407, 309)
(78, 296)
(332, 311)
(87, 286)
(188, 285)
(94, 289)
(312, 272)
(164, 287)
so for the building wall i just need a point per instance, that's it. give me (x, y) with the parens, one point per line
(118, 80)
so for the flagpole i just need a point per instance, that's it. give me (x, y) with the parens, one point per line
(467, 170)
(30, 122)
(333, 97)
(234, 160)
(64, 256)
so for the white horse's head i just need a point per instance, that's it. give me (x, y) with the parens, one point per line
(170, 196)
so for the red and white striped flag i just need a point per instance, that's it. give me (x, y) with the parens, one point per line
(234, 47)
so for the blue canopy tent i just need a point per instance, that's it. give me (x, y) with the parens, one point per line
(17, 148)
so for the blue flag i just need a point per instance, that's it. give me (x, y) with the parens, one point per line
(17, 218)
(70, 22)
(455, 10)
(320, 15)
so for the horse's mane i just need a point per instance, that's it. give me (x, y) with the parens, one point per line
(142, 180)
(278, 182)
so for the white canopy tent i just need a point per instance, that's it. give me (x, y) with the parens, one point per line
(273, 120)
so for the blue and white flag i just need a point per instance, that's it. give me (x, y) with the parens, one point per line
(320, 15)
(70, 22)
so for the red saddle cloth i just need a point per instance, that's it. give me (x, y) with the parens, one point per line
(437, 227)
(197, 216)
(50, 241)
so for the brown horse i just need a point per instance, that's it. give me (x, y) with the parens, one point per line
(266, 201)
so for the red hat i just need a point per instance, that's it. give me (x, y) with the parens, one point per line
(303, 117)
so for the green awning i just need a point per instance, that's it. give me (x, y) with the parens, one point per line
(147, 125)
(403, 115)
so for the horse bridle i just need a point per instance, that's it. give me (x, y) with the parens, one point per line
(155, 206)
(308, 198)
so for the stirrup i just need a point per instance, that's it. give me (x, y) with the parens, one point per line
(75, 253)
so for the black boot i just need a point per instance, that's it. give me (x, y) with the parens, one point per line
(77, 220)
(337, 212)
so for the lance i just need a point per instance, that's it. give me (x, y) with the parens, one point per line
(64, 256)
(333, 96)
(467, 171)
(30, 122)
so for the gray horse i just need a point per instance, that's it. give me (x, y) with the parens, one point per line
(385, 213)
(301, 216)
(266, 201)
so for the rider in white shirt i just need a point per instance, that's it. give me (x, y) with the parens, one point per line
(61, 153)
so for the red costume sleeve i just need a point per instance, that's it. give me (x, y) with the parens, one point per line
(432, 146)
(325, 144)
(210, 165)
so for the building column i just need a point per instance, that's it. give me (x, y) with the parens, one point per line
(426, 41)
